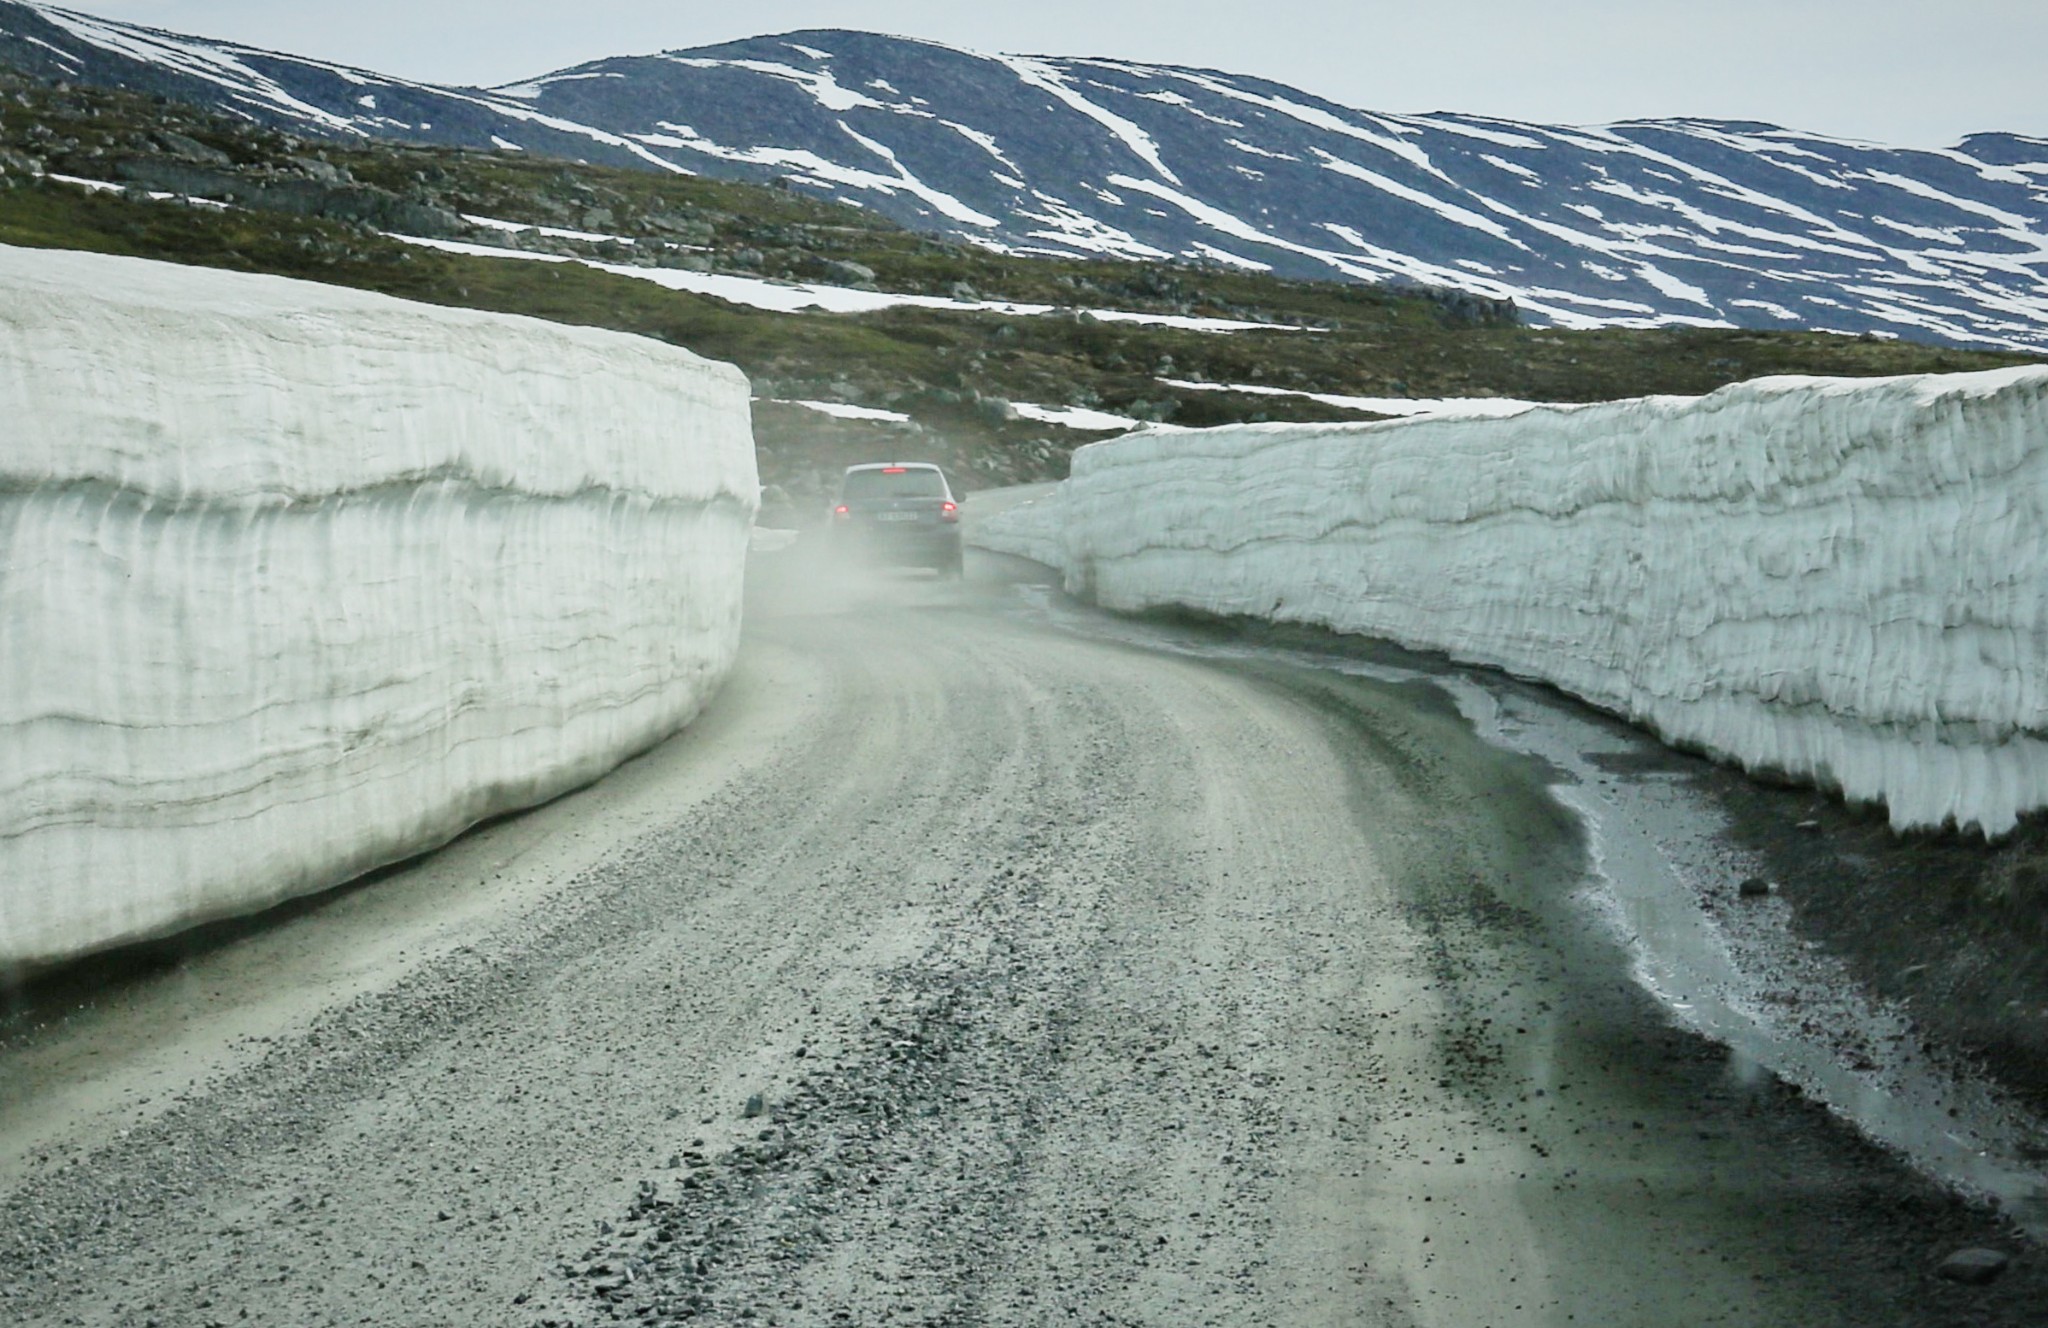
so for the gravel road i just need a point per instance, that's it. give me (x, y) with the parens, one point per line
(954, 970)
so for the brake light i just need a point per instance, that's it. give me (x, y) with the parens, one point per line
(949, 512)
(841, 511)
(895, 470)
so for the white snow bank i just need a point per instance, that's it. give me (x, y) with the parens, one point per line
(1074, 417)
(1399, 406)
(839, 410)
(1839, 580)
(296, 581)
(788, 297)
(552, 232)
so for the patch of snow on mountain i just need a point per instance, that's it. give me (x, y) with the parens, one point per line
(1044, 76)
(1072, 229)
(213, 64)
(1257, 151)
(827, 89)
(1316, 117)
(1706, 221)
(802, 297)
(839, 410)
(812, 167)
(1774, 310)
(1229, 259)
(1450, 212)
(1673, 286)
(944, 202)
(1465, 128)
(1176, 100)
(527, 115)
(1470, 407)
(1074, 417)
(2013, 223)
(1528, 176)
(987, 143)
(552, 232)
(66, 56)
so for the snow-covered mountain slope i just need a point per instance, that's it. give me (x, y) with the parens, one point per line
(296, 581)
(1641, 224)
(1833, 579)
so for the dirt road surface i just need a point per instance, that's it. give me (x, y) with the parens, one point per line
(954, 970)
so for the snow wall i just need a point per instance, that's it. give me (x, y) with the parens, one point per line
(1843, 581)
(297, 581)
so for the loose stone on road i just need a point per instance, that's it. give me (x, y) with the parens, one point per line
(955, 969)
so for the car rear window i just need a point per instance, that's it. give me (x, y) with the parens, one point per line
(862, 485)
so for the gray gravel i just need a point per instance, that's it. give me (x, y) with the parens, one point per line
(954, 970)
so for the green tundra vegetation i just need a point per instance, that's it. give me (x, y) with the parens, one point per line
(327, 211)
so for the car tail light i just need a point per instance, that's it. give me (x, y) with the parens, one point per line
(841, 512)
(949, 512)
(895, 470)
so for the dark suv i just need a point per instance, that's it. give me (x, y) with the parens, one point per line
(899, 512)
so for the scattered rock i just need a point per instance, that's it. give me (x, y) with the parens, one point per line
(191, 149)
(1755, 887)
(849, 273)
(324, 172)
(756, 1106)
(1973, 1267)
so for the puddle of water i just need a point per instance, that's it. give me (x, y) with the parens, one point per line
(1659, 873)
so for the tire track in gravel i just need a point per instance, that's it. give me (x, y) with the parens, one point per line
(1022, 979)
(876, 1185)
(430, 1147)
(1145, 1079)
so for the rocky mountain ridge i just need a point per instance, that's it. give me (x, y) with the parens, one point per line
(1647, 224)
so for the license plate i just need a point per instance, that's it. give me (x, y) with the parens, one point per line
(896, 516)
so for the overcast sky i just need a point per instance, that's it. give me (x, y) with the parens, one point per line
(1920, 73)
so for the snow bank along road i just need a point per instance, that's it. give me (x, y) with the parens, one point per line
(1838, 580)
(296, 581)
(954, 969)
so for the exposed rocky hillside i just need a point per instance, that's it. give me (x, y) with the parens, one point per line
(1664, 223)
(863, 339)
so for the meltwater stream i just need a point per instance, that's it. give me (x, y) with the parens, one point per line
(1658, 861)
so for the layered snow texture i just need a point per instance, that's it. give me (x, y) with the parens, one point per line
(1836, 580)
(297, 581)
